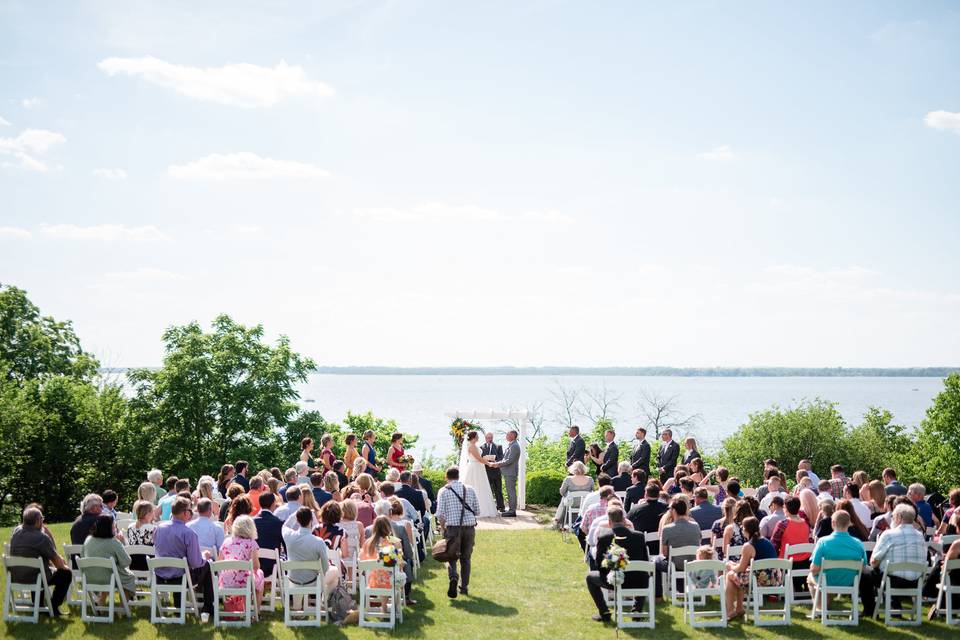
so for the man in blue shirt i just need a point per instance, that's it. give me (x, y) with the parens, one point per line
(840, 545)
(209, 534)
(917, 493)
(892, 485)
(291, 479)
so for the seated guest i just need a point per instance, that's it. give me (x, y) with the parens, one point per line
(339, 468)
(601, 525)
(633, 543)
(141, 532)
(733, 534)
(635, 491)
(851, 492)
(234, 491)
(824, 526)
(426, 485)
(578, 480)
(209, 534)
(240, 506)
(727, 507)
(594, 511)
(403, 530)
(289, 508)
(738, 572)
(646, 514)
(840, 545)
(379, 536)
(257, 488)
(807, 466)
(173, 539)
(388, 490)
(952, 509)
(774, 516)
(603, 480)
(882, 521)
(155, 477)
(704, 513)
(329, 530)
(147, 491)
(411, 495)
(303, 472)
(365, 510)
(793, 529)
(103, 544)
(857, 528)
(110, 503)
(893, 486)
(682, 532)
(90, 510)
(164, 503)
(241, 475)
(767, 474)
(773, 488)
(290, 480)
(877, 498)
(331, 484)
(838, 480)
(242, 545)
(622, 481)
(697, 472)
(352, 528)
(302, 545)
(319, 495)
(901, 543)
(225, 479)
(29, 541)
(917, 493)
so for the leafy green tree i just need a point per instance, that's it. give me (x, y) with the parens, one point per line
(219, 395)
(34, 346)
(933, 460)
(877, 443)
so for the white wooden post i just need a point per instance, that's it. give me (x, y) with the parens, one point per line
(522, 479)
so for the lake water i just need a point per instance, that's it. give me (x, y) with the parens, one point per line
(419, 402)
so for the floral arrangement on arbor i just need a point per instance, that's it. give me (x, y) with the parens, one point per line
(459, 428)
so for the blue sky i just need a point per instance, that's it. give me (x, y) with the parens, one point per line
(436, 183)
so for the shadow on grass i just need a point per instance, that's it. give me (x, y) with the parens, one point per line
(483, 607)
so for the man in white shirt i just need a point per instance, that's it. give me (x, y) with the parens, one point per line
(294, 502)
(594, 496)
(209, 533)
(773, 489)
(852, 493)
(806, 465)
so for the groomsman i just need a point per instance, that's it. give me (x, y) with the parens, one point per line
(667, 455)
(490, 448)
(640, 458)
(577, 449)
(611, 455)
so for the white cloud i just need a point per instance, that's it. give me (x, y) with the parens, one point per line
(4, 122)
(32, 103)
(143, 274)
(721, 153)
(14, 232)
(244, 166)
(444, 212)
(235, 85)
(110, 174)
(28, 145)
(103, 232)
(945, 120)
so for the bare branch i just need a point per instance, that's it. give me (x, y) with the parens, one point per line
(662, 412)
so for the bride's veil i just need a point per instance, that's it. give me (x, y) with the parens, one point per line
(464, 458)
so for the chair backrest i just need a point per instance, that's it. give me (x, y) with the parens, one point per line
(97, 563)
(869, 545)
(946, 541)
(20, 561)
(72, 550)
(950, 565)
(231, 565)
(771, 563)
(682, 552)
(850, 565)
(574, 498)
(691, 566)
(913, 567)
(140, 550)
(167, 563)
(796, 549)
(640, 566)
(300, 565)
(734, 550)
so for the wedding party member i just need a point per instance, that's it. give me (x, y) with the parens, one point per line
(509, 468)
(690, 447)
(306, 451)
(327, 457)
(242, 545)
(90, 510)
(350, 455)
(173, 539)
(457, 506)
(623, 480)
(491, 448)
(595, 456)
(667, 455)
(368, 454)
(29, 541)
(577, 448)
(633, 543)
(611, 455)
(578, 480)
(640, 457)
(395, 453)
(103, 544)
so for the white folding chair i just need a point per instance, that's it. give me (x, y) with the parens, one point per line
(691, 592)
(573, 500)
(221, 616)
(946, 591)
(122, 524)
(271, 581)
(757, 593)
(141, 597)
(914, 594)
(823, 591)
(674, 575)
(622, 495)
(384, 615)
(350, 562)
(71, 553)
(305, 615)
(626, 616)
(90, 591)
(802, 595)
(160, 613)
(21, 600)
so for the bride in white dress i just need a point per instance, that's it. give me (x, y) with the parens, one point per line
(473, 473)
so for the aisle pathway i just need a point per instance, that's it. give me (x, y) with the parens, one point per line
(524, 520)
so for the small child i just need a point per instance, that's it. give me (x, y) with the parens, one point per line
(703, 579)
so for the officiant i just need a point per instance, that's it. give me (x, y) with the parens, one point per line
(490, 448)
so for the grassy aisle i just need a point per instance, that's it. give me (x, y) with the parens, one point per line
(526, 584)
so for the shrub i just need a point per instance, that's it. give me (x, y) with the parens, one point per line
(436, 477)
(933, 458)
(543, 487)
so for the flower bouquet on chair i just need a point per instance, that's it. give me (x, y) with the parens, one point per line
(615, 560)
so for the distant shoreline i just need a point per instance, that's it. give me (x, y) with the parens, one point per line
(691, 372)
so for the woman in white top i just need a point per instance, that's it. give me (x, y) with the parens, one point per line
(578, 480)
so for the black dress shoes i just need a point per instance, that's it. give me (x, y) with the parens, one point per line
(452, 591)
(508, 514)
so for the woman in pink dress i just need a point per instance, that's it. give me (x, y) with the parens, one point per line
(242, 545)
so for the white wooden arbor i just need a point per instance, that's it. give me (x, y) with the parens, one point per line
(523, 418)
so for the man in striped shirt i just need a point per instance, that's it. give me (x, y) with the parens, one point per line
(457, 508)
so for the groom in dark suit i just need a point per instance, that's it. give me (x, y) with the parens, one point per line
(611, 455)
(667, 455)
(577, 449)
(490, 448)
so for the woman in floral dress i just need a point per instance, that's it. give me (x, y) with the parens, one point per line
(242, 545)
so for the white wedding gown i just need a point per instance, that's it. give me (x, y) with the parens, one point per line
(473, 473)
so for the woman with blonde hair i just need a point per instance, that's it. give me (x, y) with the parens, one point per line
(351, 455)
(367, 486)
(351, 527)
(862, 479)
(241, 544)
(721, 523)
(808, 506)
(359, 466)
(331, 484)
(690, 444)
(578, 480)
(733, 535)
(147, 491)
(876, 498)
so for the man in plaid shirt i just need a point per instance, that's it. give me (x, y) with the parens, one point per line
(457, 506)
(838, 481)
(901, 543)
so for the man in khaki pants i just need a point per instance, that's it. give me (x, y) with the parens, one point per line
(457, 508)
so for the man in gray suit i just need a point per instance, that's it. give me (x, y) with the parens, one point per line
(509, 468)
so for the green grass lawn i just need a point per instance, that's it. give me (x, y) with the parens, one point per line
(526, 584)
